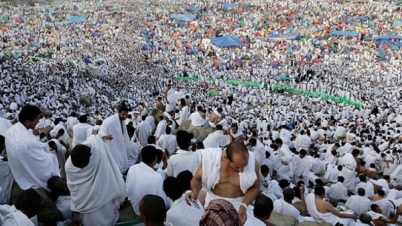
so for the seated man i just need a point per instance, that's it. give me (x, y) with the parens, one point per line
(285, 205)
(31, 162)
(381, 220)
(338, 192)
(153, 210)
(26, 207)
(61, 195)
(142, 179)
(263, 207)
(180, 214)
(386, 205)
(323, 211)
(216, 139)
(95, 183)
(359, 203)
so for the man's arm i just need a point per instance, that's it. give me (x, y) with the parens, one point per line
(331, 209)
(393, 219)
(196, 184)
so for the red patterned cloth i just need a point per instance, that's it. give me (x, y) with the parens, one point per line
(220, 213)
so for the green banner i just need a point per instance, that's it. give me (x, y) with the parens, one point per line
(288, 89)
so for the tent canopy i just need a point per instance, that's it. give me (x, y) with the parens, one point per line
(77, 18)
(397, 23)
(182, 17)
(344, 33)
(228, 6)
(282, 36)
(227, 41)
(193, 8)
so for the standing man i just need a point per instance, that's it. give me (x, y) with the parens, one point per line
(114, 133)
(80, 130)
(350, 166)
(170, 97)
(95, 183)
(231, 174)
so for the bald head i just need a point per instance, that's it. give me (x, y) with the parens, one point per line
(236, 148)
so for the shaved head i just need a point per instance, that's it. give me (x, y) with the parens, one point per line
(236, 148)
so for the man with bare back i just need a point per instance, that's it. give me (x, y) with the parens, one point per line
(323, 211)
(231, 174)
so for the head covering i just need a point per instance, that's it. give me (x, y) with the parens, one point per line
(220, 212)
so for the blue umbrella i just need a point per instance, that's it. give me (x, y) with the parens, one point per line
(87, 61)
(146, 47)
(227, 41)
(346, 52)
(228, 6)
(309, 57)
(144, 32)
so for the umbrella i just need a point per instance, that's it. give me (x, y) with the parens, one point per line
(257, 57)
(144, 32)
(239, 63)
(275, 64)
(346, 51)
(87, 61)
(228, 6)
(146, 47)
(246, 57)
(227, 41)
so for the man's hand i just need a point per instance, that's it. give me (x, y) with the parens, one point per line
(243, 214)
(191, 196)
(108, 137)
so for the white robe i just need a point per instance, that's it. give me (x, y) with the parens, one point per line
(117, 146)
(184, 114)
(6, 182)
(349, 171)
(97, 190)
(283, 207)
(30, 161)
(143, 180)
(359, 204)
(10, 216)
(181, 214)
(301, 167)
(215, 140)
(326, 217)
(4, 125)
(211, 165)
(144, 130)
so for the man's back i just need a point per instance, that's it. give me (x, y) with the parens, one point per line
(143, 180)
(181, 214)
(359, 204)
(215, 140)
(368, 188)
(181, 161)
(80, 133)
(338, 191)
(168, 142)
